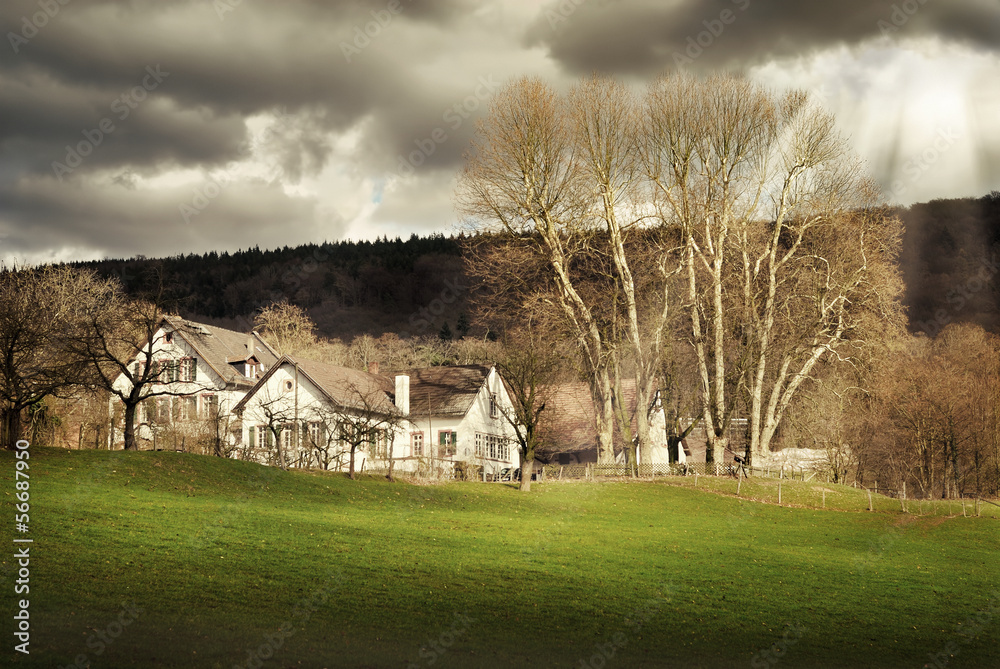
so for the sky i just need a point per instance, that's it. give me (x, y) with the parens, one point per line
(163, 127)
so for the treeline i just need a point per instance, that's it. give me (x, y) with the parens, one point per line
(348, 288)
(951, 263)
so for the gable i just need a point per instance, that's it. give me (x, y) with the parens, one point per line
(219, 348)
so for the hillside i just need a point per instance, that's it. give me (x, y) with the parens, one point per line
(218, 563)
(348, 288)
(950, 263)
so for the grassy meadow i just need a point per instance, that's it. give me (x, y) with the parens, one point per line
(175, 560)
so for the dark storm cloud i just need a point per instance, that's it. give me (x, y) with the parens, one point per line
(370, 88)
(649, 36)
(42, 214)
(67, 77)
(64, 69)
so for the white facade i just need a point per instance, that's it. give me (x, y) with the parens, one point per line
(292, 407)
(481, 437)
(289, 410)
(200, 393)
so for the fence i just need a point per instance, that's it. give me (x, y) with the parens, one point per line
(593, 470)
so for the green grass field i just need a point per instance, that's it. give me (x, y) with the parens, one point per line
(173, 560)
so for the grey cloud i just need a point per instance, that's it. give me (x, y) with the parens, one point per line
(40, 213)
(287, 59)
(647, 36)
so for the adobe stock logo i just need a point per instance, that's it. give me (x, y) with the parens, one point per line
(454, 116)
(122, 106)
(714, 28)
(31, 25)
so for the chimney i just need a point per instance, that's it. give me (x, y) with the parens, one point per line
(373, 367)
(403, 394)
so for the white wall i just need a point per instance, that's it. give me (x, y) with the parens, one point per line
(477, 419)
(207, 382)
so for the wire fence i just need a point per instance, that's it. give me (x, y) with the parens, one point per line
(594, 470)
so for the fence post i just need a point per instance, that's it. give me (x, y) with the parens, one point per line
(739, 482)
(824, 498)
(869, 500)
(779, 491)
(696, 479)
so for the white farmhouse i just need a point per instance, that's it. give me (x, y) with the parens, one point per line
(306, 413)
(203, 372)
(444, 420)
(457, 420)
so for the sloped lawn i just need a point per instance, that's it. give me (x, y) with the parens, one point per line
(173, 560)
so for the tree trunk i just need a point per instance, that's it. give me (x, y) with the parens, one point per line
(129, 431)
(527, 466)
(604, 415)
(10, 428)
(350, 471)
(715, 451)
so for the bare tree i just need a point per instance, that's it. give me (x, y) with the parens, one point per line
(785, 256)
(525, 176)
(606, 125)
(286, 327)
(123, 341)
(41, 311)
(937, 428)
(280, 429)
(528, 368)
(364, 418)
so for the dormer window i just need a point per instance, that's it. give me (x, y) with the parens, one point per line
(251, 368)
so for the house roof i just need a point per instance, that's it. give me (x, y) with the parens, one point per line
(349, 387)
(343, 386)
(569, 423)
(218, 347)
(445, 391)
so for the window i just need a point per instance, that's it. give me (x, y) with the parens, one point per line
(492, 447)
(315, 432)
(380, 444)
(147, 410)
(209, 406)
(417, 443)
(494, 406)
(188, 369)
(168, 337)
(447, 440)
(166, 371)
(259, 436)
(287, 436)
(188, 407)
(288, 385)
(162, 411)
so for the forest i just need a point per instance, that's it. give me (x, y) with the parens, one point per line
(950, 260)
